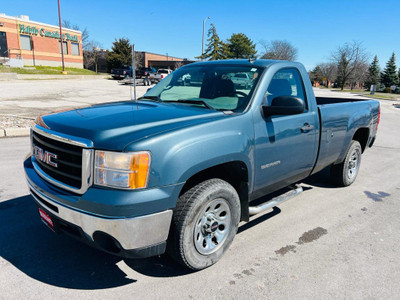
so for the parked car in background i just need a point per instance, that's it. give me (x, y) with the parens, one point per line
(149, 72)
(241, 80)
(162, 73)
(121, 72)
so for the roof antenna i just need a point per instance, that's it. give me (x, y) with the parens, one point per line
(133, 74)
(252, 59)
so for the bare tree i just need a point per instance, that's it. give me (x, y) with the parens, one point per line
(350, 60)
(360, 76)
(329, 72)
(278, 49)
(85, 33)
(92, 54)
(178, 64)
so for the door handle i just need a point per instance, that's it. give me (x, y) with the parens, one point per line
(307, 127)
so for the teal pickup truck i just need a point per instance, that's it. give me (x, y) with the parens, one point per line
(177, 170)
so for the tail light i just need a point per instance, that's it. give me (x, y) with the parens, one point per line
(162, 76)
(379, 117)
(124, 72)
(145, 73)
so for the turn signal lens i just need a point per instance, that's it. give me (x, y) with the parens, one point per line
(122, 170)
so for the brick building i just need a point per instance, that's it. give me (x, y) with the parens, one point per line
(28, 43)
(148, 59)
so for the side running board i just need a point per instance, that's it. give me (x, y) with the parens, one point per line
(253, 210)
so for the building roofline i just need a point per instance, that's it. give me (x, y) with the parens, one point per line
(161, 54)
(38, 23)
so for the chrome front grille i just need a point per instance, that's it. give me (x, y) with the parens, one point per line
(70, 164)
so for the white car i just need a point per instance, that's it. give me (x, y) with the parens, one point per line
(161, 74)
(241, 80)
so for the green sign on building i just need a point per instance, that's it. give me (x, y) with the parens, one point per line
(45, 33)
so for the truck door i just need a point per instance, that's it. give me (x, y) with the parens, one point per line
(286, 146)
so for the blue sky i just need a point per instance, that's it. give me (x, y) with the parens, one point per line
(315, 28)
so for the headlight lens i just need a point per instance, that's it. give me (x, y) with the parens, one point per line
(122, 170)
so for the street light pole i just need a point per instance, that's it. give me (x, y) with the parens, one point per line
(202, 44)
(61, 38)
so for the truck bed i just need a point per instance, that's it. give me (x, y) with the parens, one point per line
(339, 120)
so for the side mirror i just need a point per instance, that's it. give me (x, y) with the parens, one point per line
(284, 105)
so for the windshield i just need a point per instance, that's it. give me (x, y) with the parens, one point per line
(208, 86)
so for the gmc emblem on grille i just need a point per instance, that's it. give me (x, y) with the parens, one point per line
(45, 156)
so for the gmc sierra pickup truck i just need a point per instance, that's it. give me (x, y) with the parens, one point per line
(177, 170)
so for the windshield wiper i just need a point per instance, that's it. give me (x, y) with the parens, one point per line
(205, 104)
(155, 98)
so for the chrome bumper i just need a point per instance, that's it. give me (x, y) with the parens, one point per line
(131, 233)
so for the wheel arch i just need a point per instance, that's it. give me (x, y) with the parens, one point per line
(236, 173)
(361, 135)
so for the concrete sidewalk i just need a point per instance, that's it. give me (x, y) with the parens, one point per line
(21, 101)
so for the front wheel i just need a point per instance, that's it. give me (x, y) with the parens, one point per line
(345, 173)
(204, 224)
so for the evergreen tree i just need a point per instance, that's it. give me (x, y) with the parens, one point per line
(240, 46)
(120, 54)
(343, 67)
(373, 76)
(215, 47)
(389, 76)
(398, 75)
(316, 75)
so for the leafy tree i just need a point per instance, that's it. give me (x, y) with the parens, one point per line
(240, 46)
(350, 60)
(277, 49)
(373, 76)
(120, 54)
(216, 48)
(389, 76)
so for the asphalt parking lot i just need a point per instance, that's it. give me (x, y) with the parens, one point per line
(22, 100)
(326, 243)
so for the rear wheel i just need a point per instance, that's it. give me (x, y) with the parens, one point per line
(345, 173)
(204, 224)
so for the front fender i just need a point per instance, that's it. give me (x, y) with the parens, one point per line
(178, 155)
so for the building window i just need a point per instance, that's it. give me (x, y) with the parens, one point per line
(26, 42)
(74, 48)
(65, 48)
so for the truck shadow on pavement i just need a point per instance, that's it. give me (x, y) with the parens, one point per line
(61, 261)
(321, 179)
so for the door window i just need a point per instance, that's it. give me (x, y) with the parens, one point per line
(286, 82)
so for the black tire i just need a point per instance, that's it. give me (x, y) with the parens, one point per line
(345, 173)
(189, 211)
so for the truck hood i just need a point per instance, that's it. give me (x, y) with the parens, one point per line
(112, 126)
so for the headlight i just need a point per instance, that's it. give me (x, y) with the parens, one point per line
(122, 170)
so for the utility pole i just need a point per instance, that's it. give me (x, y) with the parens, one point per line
(202, 44)
(61, 38)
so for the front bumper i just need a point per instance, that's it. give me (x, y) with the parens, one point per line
(138, 236)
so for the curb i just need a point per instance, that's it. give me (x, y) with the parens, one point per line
(13, 132)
